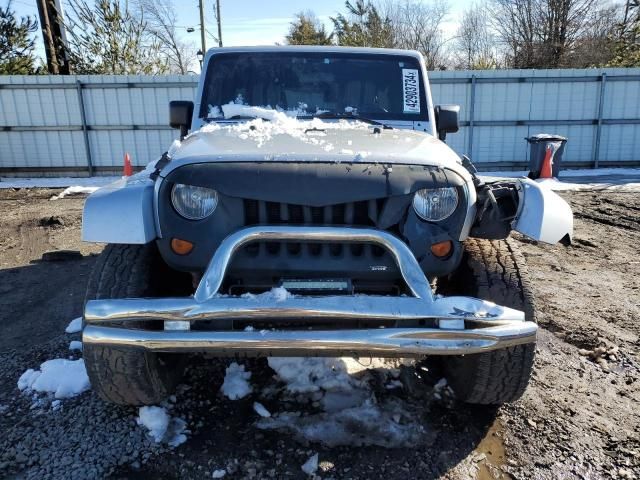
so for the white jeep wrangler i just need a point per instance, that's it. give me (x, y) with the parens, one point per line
(314, 210)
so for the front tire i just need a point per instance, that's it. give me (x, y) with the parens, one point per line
(129, 376)
(495, 271)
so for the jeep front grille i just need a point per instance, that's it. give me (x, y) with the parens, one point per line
(361, 214)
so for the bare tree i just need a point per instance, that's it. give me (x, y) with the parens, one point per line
(475, 43)
(541, 33)
(108, 38)
(162, 19)
(418, 26)
(596, 45)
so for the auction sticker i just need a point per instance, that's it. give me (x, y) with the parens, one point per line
(410, 92)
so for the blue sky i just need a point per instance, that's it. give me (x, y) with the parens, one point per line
(249, 22)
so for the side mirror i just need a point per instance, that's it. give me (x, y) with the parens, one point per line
(180, 113)
(447, 120)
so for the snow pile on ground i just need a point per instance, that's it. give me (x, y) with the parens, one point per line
(161, 426)
(56, 182)
(627, 179)
(327, 379)
(75, 190)
(559, 186)
(74, 326)
(236, 382)
(347, 410)
(310, 466)
(261, 410)
(75, 345)
(64, 378)
(218, 473)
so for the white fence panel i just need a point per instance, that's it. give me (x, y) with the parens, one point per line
(41, 117)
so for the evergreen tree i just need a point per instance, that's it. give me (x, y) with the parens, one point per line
(363, 26)
(307, 30)
(627, 49)
(16, 43)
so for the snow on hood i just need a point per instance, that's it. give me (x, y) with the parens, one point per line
(277, 136)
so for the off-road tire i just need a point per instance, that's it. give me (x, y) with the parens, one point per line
(121, 375)
(492, 270)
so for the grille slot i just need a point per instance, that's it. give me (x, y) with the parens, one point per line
(363, 214)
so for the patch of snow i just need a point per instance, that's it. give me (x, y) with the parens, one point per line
(627, 179)
(175, 145)
(306, 375)
(351, 414)
(278, 122)
(236, 384)
(310, 466)
(440, 384)
(214, 112)
(599, 172)
(367, 424)
(473, 307)
(64, 378)
(155, 419)
(74, 326)
(75, 345)
(75, 190)
(57, 182)
(279, 294)
(56, 405)
(261, 410)
(218, 473)
(161, 426)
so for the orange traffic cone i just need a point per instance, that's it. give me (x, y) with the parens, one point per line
(127, 171)
(547, 164)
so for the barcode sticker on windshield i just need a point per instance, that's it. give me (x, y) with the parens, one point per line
(410, 92)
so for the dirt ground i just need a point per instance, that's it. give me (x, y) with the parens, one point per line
(580, 417)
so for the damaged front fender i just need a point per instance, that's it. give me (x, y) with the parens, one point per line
(542, 214)
(122, 212)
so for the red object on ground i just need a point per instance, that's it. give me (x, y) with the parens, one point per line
(127, 171)
(547, 164)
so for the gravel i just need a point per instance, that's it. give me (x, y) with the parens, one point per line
(578, 418)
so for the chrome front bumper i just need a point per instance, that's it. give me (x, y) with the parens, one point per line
(457, 325)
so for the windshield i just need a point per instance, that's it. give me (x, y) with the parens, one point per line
(308, 83)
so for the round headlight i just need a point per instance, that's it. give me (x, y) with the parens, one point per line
(194, 203)
(435, 204)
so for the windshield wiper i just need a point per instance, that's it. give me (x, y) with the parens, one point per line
(350, 116)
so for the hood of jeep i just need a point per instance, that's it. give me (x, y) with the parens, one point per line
(312, 141)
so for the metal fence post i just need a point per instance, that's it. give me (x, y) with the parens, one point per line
(472, 105)
(596, 147)
(85, 131)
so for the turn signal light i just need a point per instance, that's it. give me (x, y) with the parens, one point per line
(181, 247)
(442, 249)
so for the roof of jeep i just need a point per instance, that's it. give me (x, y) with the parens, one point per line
(313, 48)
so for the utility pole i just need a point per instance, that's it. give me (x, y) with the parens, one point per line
(47, 35)
(219, 23)
(54, 36)
(202, 37)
